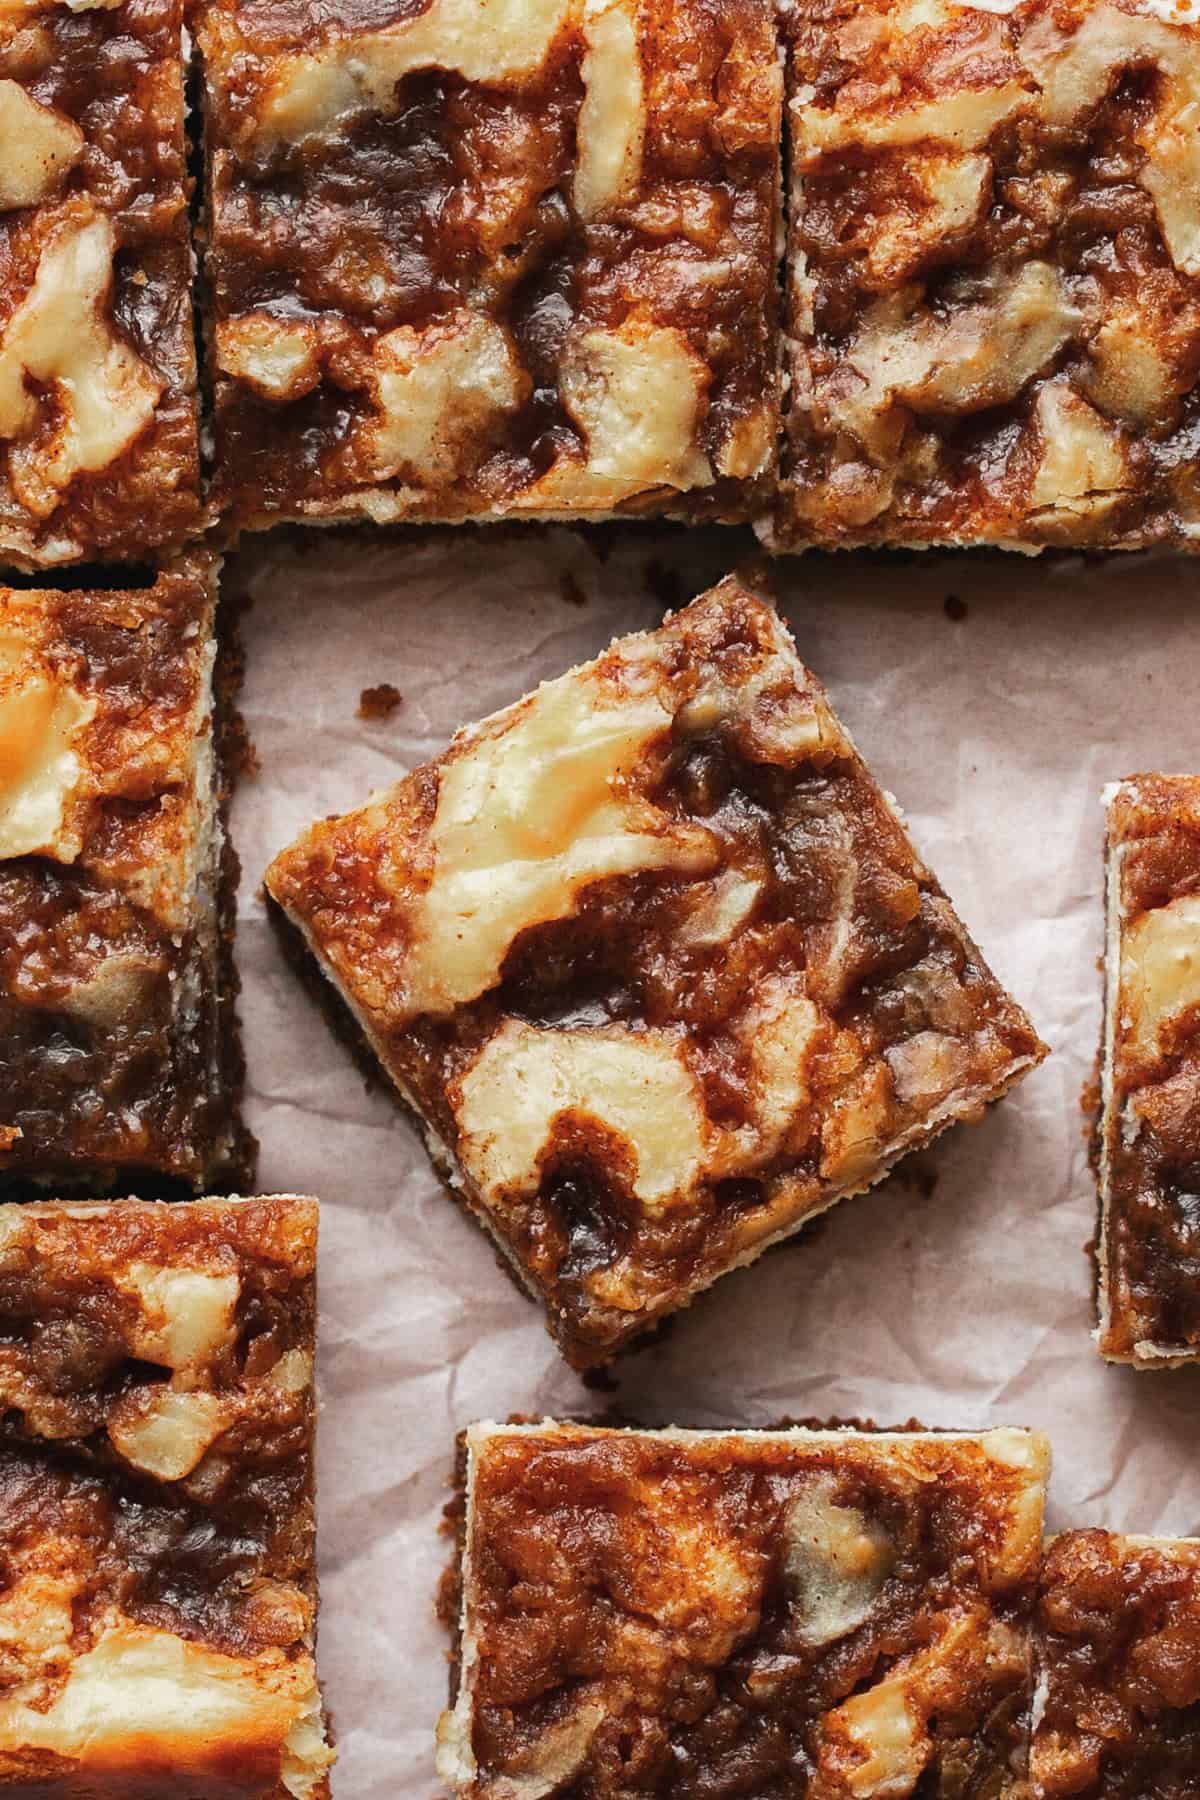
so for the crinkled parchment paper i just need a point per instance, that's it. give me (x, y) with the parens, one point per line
(959, 1293)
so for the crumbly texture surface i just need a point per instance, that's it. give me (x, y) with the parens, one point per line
(481, 258)
(99, 454)
(1118, 1648)
(1149, 1130)
(817, 1614)
(117, 1026)
(993, 263)
(157, 1587)
(652, 955)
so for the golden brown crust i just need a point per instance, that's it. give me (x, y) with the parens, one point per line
(651, 954)
(99, 453)
(1149, 1131)
(994, 274)
(480, 259)
(1118, 1652)
(114, 1017)
(690, 1613)
(157, 1586)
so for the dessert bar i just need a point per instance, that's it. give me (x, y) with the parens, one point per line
(993, 274)
(834, 1613)
(117, 1030)
(492, 257)
(1118, 1654)
(157, 1586)
(653, 958)
(99, 456)
(1148, 1140)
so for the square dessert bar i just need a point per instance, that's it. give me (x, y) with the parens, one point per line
(1148, 1138)
(653, 958)
(157, 1586)
(1117, 1649)
(99, 455)
(839, 1614)
(993, 273)
(117, 1033)
(477, 258)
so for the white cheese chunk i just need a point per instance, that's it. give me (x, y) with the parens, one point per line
(438, 391)
(166, 1433)
(783, 1029)
(37, 1618)
(114, 990)
(531, 813)
(837, 1563)
(307, 1753)
(276, 357)
(1160, 970)
(637, 395)
(639, 1087)
(60, 334)
(1171, 177)
(894, 1748)
(927, 1067)
(856, 1127)
(1083, 459)
(748, 444)
(41, 719)
(39, 146)
(980, 354)
(140, 1686)
(965, 118)
(292, 1373)
(718, 910)
(637, 1084)
(1020, 1548)
(613, 114)
(306, 1750)
(1127, 374)
(498, 42)
(187, 1314)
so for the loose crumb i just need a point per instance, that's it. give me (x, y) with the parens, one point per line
(379, 702)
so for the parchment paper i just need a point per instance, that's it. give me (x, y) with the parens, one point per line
(959, 1294)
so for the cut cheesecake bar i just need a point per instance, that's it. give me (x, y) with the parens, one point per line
(492, 257)
(1148, 1139)
(1117, 1648)
(157, 1585)
(835, 1613)
(653, 958)
(993, 274)
(117, 1030)
(99, 454)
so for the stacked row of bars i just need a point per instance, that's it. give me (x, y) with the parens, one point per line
(834, 1614)
(649, 953)
(520, 259)
(157, 1579)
